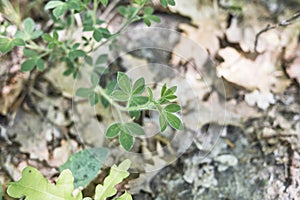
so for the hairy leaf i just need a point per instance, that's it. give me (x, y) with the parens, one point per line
(113, 130)
(124, 82)
(174, 121)
(126, 140)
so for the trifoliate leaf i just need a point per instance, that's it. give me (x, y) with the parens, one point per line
(34, 186)
(116, 176)
(7, 44)
(85, 165)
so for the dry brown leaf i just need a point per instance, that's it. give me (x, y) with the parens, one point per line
(294, 70)
(260, 74)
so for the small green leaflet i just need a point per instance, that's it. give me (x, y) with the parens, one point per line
(0, 191)
(7, 44)
(60, 8)
(124, 82)
(85, 165)
(104, 2)
(126, 132)
(34, 60)
(165, 3)
(174, 121)
(148, 17)
(29, 32)
(116, 176)
(34, 186)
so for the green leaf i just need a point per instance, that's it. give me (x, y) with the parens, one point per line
(174, 121)
(34, 186)
(28, 24)
(47, 37)
(100, 33)
(138, 86)
(85, 165)
(28, 65)
(29, 53)
(119, 95)
(164, 3)
(170, 91)
(0, 191)
(148, 11)
(172, 108)
(77, 53)
(124, 82)
(88, 60)
(162, 123)
(7, 44)
(60, 10)
(110, 87)
(104, 2)
(133, 129)
(97, 35)
(113, 130)
(94, 79)
(171, 2)
(40, 64)
(94, 99)
(84, 92)
(53, 4)
(102, 59)
(116, 176)
(147, 21)
(125, 196)
(163, 90)
(18, 42)
(154, 18)
(150, 93)
(138, 100)
(126, 140)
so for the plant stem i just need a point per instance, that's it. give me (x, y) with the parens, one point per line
(132, 19)
(147, 106)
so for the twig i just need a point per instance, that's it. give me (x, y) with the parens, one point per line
(283, 23)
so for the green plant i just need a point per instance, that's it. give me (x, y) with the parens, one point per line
(33, 186)
(41, 48)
